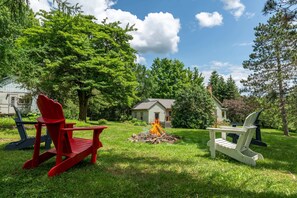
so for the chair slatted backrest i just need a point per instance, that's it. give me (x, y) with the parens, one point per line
(52, 112)
(245, 139)
(18, 121)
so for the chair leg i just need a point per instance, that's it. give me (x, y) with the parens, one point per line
(35, 162)
(94, 156)
(68, 163)
(212, 144)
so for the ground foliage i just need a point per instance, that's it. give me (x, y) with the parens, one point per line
(126, 169)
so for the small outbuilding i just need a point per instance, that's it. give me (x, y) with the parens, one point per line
(153, 108)
(12, 93)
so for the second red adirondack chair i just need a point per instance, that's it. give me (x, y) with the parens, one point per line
(72, 149)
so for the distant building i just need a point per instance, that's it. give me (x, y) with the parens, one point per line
(11, 93)
(152, 109)
(220, 111)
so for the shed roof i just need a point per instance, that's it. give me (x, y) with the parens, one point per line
(144, 105)
(167, 103)
(150, 102)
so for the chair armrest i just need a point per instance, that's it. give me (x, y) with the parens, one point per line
(226, 127)
(49, 121)
(26, 122)
(228, 130)
(84, 128)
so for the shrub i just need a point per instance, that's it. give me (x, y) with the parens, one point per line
(140, 123)
(102, 122)
(125, 118)
(193, 108)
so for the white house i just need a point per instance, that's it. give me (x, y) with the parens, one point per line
(11, 93)
(152, 109)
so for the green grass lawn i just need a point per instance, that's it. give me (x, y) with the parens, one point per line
(126, 169)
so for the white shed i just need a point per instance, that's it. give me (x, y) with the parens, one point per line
(11, 93)
(152, 109)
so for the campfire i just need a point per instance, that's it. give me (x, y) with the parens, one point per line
(157, 128)
(155, 135)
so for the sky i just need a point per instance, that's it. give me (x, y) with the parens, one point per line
(207, 34)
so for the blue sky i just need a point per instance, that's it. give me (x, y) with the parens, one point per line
(208, 34)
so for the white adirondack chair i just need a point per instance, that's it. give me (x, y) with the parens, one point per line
(239, 151)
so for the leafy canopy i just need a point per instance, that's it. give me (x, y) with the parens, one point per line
(193, 108)
(67, 54)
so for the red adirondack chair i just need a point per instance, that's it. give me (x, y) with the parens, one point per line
(72, 149)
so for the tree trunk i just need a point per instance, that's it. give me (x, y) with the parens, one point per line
(83, 105)
(282, 100)
(284, 115)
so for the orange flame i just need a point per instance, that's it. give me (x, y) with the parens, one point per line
(157, 128)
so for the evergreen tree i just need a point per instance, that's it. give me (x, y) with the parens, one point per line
(272, 62)
(288, 7)
(231, 91)
(218, 85)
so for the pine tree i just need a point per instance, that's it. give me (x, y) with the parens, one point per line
(231, 91)
(272, 62)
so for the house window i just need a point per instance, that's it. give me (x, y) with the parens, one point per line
(23, 100)
(141, 115)
(223, 114)
(169, 113)
(12, 101)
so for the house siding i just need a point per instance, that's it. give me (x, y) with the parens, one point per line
(11, 92)
(220, 113)
(140, 115)
(157, 108)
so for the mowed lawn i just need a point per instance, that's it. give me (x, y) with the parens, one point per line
(126, 169)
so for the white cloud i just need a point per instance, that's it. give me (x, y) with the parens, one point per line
(207, 19)
(158, 32)
(140, 59)
(235, 7)
(40, 5)
(249, 15)
(224, 69)
(243, 44)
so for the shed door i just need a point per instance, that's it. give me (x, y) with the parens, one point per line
(157, 115)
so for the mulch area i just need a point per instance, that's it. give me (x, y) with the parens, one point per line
(147, 137)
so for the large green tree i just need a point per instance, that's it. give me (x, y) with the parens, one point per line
(169, 77)
(69, 54)
(193, 108)
(10, 30)
(145, 83)
(271, 63)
